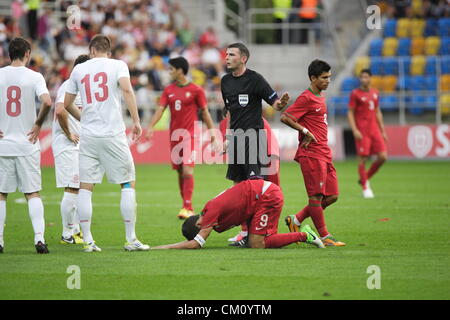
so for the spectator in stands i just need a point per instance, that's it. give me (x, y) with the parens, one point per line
(399, 8)
(308, 14)
(209, 37)
(280, 15)
(33, 7)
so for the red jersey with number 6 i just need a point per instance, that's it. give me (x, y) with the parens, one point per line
(365, 106)
(310, 111)
(184, 103)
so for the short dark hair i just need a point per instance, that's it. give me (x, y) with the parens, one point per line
(180, 63)
(101, 43)
(242, 48)
(366, 71)
(189, 229)
(317, 67)
(17, 48)
(80, 59)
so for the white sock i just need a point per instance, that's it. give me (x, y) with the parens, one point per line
(68, 208)
(2, 220)
(296, 221)
(36, 212)
(244, 233)
(128, 210)
(84, 209)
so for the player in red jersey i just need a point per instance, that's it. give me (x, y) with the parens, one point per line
(273, 152)
(256, 202)
(184, 99)
(308, 115)
(366, 120)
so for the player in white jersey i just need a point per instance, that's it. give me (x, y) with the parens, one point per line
(65, 139)
(19, 132)
(103, 143)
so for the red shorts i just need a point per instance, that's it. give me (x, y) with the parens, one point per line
(370, 144)
(182, 153)
(265, 219)
(320, 176)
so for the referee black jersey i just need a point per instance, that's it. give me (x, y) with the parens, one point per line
(242, 97)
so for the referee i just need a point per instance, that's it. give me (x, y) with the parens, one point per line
(242, 92)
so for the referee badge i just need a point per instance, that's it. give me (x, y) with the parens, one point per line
(243, 100)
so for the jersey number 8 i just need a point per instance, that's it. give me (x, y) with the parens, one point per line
(13, 100)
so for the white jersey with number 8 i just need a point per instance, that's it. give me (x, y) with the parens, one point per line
(19, 87)
(97, 82)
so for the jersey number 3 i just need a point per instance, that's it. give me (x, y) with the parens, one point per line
(100, 77)
(13, 95)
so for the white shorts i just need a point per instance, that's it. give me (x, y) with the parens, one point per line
(67, 169)
(107, 154)
(23, 172)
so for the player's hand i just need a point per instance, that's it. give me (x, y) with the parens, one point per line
(357, 134)
(225, 146)
(283, 101)
(1, 134)
(149, 133)
(74, 138)
(385, 136)
(33, 135)
(137, 131)
(214, 144)
(309, 137)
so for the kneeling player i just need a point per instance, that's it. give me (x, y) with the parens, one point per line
(256, 202)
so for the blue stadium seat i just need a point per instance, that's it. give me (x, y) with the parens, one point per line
(430, 66)
(431, 102)
(349, 84)
(417, 83)
(445, 46)
(445, 65)
(431, 27)
(340, 104)
(376, 66)
(405, 62)
(390, 28)
(389, 103)
(444, 27)
(431, 83)
(416, 105)
(404, 83)
(376, 47)
(390, 66)
(404, 45)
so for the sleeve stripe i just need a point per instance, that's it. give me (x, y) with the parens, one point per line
(290, 116)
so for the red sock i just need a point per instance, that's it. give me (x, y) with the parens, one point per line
(316, 212)
(283, 239)
(188, 189)
(374, 168)
(302, 215)
(180, 185)
(362, 174)
(244, 227)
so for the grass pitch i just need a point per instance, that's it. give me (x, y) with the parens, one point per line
(404, 231)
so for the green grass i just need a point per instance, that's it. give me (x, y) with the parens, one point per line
(411, 248)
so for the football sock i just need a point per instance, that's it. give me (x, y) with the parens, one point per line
(188, 189)
(374, 168)
(362, 174)
(84, 209)
(244, 229)
(302, 215)
(2, 219)
(128, 211)
(315, 210)
(274, 178)
(180, 185)
(283, 239)
(68, 209)
(36, 212)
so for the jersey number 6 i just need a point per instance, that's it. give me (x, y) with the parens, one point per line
(102, 85)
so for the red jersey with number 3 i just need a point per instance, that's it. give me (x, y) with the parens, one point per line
(365, 106)
(310, 111)
(184, 103)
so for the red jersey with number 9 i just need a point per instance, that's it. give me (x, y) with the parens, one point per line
(310, 111)
(365, 105)
(184, 103)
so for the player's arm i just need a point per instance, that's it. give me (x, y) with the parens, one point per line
(206, 116)
(154, 120)
(197, 243)
(46, 105)
(63, 120)
(69, 105)
(351, 120)
(309, 137)
(381, 124)
(279, 104)
(130, 101)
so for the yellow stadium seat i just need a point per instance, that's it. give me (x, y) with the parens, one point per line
(377, 82)
(445, 104)
(445, 82)
(416, 7)
(417, 46)
(389, 83)
(390, 46)
(403, 28)
(416, 27)
(417, 65)
(361, 63)
(432, 45)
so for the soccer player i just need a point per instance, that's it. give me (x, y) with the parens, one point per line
(65, 138)
(242, 92)
(20, 155)
(308, 115)
(184, 99)
(254, 201)
(103, 143)
(366, 120)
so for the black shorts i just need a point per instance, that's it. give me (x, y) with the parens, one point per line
(246, 156)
